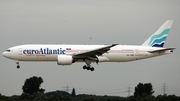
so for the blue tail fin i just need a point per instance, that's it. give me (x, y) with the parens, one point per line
(159, 37)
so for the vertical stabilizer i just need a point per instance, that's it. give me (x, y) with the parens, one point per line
(159, 37)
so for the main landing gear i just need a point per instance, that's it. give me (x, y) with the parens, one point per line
(17, 62)
(88, 68)
(88, 65)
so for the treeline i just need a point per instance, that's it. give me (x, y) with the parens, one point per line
(59, 96)
(32, 92)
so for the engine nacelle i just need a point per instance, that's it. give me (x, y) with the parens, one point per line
(64, 60)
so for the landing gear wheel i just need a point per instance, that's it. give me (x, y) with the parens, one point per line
(84, 67)
(92, 69)
(18, 66)
(88, 68)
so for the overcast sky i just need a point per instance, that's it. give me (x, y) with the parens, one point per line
(128, 22)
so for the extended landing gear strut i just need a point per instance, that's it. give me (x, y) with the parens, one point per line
(17, 62)
(88, 65)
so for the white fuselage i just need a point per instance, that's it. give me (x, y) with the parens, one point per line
(68, 54)
(119, 53)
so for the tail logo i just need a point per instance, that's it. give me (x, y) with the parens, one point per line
(158, 40)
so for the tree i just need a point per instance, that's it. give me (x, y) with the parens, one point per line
(2, 97)
(90, 99)
(143, 89)
(32, 85)
(73, 92)
(56, 97)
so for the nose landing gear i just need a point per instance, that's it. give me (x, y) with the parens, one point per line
(18, 66)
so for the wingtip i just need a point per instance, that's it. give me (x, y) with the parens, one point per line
(114, 44)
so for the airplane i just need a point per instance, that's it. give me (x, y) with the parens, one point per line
(68, 54)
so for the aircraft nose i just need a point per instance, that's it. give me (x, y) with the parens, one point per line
(5, 54)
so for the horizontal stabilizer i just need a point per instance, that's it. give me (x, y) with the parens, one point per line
(162, 50)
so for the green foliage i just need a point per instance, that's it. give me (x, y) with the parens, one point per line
(63, 93)
(33, 92)
(59, 97)
(2, 97)
(32, 85)
(143, 90)
(167, 98)
(56, 97)
(33, 97)
(146, 98)
(90, 99)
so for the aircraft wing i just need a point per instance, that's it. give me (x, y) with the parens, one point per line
(162, 50)
(93, 53)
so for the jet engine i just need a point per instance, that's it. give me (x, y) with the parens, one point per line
(64, 60)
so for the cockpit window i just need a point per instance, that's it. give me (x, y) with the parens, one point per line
(8, 50)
